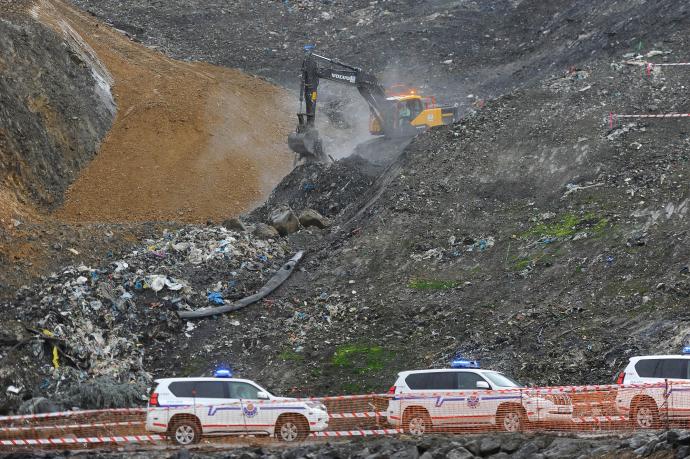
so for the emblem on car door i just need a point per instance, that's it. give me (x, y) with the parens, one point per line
(250, 410)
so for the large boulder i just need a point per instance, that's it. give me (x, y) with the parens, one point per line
(285, 221)
(310, 217)
(264, 231)
(13, 332)
(234, 224)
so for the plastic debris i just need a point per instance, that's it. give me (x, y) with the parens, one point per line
(216, 298)
(95, 319)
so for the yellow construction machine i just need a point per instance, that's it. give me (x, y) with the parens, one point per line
(395, 112)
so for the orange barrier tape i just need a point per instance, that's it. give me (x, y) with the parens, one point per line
(356, 433)
(71, 426)
(70, 413)
(563, 408)
(87, 440)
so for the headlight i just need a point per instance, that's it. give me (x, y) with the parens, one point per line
(316, 405)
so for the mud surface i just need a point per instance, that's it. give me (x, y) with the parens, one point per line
(184, 145)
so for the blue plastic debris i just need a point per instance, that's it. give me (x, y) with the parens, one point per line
(216, 298)
(309, 187)
(138, 285)
(263, 258)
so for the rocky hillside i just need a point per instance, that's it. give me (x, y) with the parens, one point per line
(454, 47)
(531, 236)
(55, 107)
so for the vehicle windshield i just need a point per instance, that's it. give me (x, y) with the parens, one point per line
(499, 380)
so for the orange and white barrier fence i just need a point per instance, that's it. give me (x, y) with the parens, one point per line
(649, 67)
(77, 441)
(65, 414)
(613, 117)
(467, 409)
(356, 433)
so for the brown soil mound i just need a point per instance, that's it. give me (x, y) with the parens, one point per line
(190, 141)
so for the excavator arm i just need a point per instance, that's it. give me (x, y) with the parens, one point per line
(305, 141)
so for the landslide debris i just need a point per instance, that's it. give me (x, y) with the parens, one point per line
(454, 48)
(183, 145)
(190, 142)
(530, 236)
(85, 330)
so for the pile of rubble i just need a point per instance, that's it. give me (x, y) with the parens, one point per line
(496, 446)
(84, 322)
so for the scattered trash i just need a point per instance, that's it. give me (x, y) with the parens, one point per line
(478, 245)
(13, 390)
(90, 323)
(216, 298)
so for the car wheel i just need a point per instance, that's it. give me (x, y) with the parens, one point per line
(511, 420)
(185, 432)
(291, 429)
(417, 423)
(646, 415)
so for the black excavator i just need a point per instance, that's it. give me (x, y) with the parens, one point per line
(393, 114)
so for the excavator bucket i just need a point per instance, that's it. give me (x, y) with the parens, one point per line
(305, 141)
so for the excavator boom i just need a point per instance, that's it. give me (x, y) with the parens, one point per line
(385, 118)
(305, 141)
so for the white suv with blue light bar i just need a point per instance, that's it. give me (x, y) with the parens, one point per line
(466, 396)
(660, 387)
(187, 408)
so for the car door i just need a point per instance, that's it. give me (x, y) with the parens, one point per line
(478, 407)
(216, 410)
(432, 391)
(259, 415)
(675, 371)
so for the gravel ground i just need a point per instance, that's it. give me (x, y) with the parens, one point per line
(666, 445)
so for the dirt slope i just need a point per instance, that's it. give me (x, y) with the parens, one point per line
(179, 149)
(185, 144)
(53, 112)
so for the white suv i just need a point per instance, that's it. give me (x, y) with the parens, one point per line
(187, 408)
(660, 390)
(462, 398)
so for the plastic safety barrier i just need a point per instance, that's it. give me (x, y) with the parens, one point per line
(463, 410)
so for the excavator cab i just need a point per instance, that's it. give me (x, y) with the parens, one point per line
(405, 110)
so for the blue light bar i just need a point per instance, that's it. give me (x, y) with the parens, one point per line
(686, 350)
(459, 362)
(222, 373)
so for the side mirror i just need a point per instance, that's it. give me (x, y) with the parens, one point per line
(483, 385)
(262, 396)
